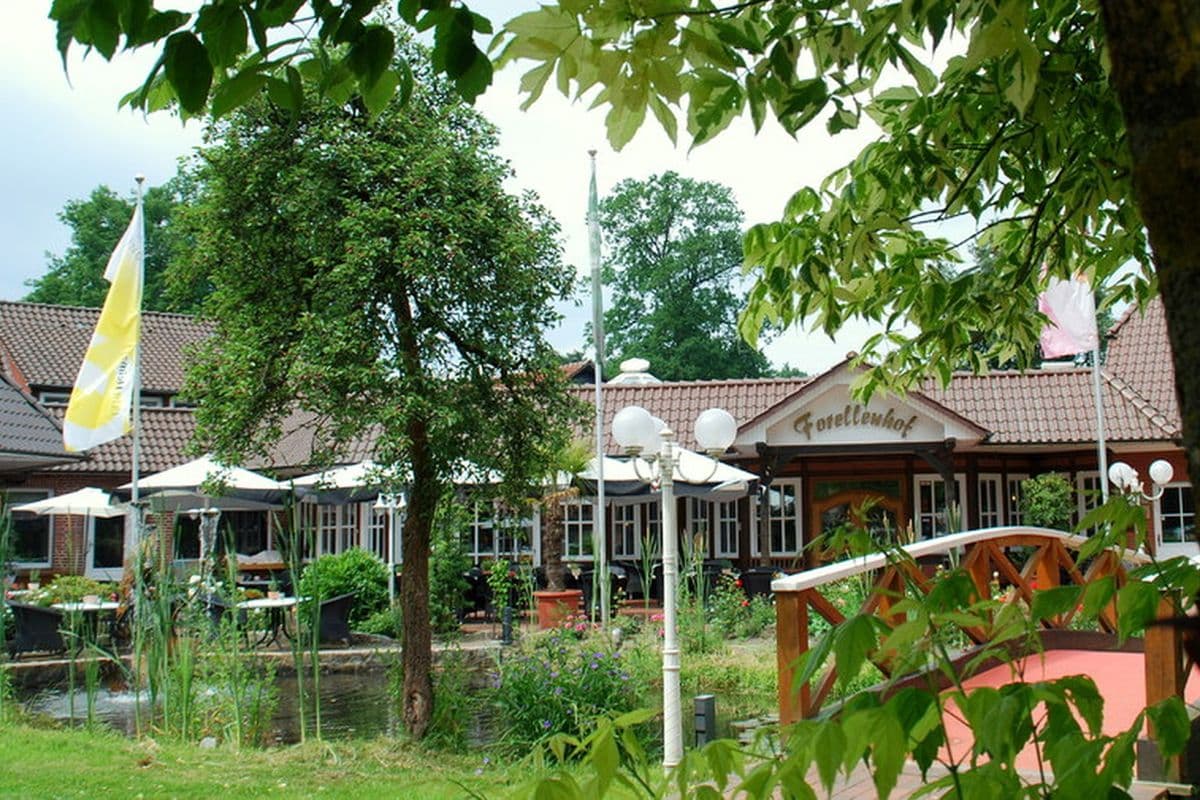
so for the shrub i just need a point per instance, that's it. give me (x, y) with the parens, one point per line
(447, 563)
(354, 570)
(735, 616)
(383, 623)
(1046, 501)
(73, 588)
(560, 686)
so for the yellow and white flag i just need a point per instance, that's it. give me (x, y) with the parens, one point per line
(101, 403)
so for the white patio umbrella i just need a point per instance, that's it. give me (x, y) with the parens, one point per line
(206, 486)
(87, 503)
(695, 475)
(195, 476)
(365, 480)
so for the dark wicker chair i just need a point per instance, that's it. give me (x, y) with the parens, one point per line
(756, 582)
(37, 629)
(478, 595)
(218, 608)
(333, 622)
(617, 581)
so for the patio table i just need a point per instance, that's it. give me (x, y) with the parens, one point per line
(276, 608)
(89, 614)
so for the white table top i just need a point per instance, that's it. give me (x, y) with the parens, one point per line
(269, 602)
(106, 605)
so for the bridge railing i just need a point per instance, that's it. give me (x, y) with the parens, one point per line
(1053, 560)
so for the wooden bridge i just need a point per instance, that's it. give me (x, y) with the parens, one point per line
(1053, 560)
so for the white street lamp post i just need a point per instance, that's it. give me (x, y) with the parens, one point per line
(1125, 478)
(638, 432)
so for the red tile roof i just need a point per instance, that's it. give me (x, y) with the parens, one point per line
(166, 434)
(680, 403)
(27, 432)
(1045, 407)
(1139, 354)
(45, 344)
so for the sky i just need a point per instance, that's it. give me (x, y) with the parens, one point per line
(65, 137)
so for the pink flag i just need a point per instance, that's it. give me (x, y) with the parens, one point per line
(1072, 312)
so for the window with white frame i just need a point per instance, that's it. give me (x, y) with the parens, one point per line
(514, 536)
(650, 534)
(933, 517)
(336, 528)
(783, 514)
(578, 525)
(1177, 513)
(481, 532)
(725, 537)
(1087, 496)
(32, 539)
(626, 530)
(990, 501)
(1015, 496)
(50, 397)
(698, 528)
(376, 521)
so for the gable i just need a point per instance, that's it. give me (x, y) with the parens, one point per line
(825, 413)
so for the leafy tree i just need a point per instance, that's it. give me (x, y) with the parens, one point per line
(225, 54)
(674, 251)
(76, 278)
(1064, 132)
(371, 276)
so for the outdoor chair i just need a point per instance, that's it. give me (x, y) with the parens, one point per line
(36, 630)
(218, 608)
(333, 621)
(478, 595)
(617, 581)
(756, 582)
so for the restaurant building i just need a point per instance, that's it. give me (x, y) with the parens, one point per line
(935, 460)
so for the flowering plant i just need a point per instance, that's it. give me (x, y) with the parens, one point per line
(561, 686)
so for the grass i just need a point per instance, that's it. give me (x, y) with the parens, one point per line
(61, 763)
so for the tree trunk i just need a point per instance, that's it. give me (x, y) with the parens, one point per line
(417, 636)
(1156, 73)
(552, 540)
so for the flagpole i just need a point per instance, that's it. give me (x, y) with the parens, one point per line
(136, 455)
(600, 536)
(1101, 447)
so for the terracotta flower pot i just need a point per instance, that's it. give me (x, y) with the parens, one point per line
(554, 607)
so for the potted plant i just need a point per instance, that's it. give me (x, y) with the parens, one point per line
(556, 602)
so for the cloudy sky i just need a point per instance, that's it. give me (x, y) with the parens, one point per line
(65, 137)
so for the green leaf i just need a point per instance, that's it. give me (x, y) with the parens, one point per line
(1048, 603)
(1137, 605)
(155, 27)
(1097, 595)
(856, 637)
(622, 122)
(378, 95)
(1170, 725)
(828, 749)
(236, 91)
(371, 54)
(224, 32)
(188, 70)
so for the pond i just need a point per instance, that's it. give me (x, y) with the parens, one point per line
(353, 705)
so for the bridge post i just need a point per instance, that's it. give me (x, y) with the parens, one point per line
(1166, 676)
(791, 635)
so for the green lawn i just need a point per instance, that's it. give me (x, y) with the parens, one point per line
(53, 763)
